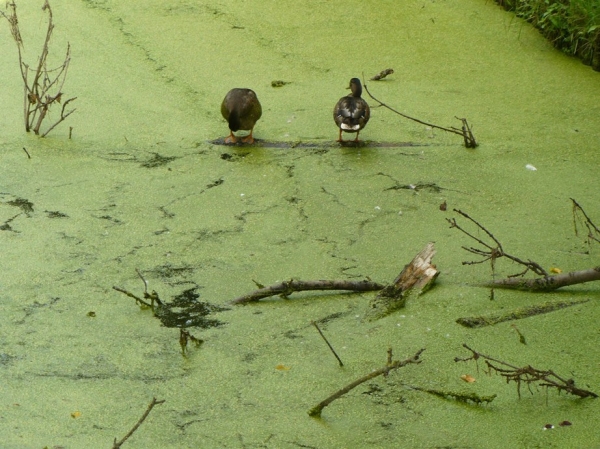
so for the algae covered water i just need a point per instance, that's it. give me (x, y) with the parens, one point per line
(141, 185)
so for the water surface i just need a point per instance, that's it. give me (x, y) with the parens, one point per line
(140, 186)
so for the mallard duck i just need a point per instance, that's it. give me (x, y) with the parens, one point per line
(352, 113)
(241, 109)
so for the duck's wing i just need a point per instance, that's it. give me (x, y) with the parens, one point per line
(351, 113)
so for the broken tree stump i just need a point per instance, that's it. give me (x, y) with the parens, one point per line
(419, 274)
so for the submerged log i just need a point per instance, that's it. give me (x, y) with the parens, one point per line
(517, 314)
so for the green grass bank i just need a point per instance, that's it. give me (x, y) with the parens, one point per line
(572, 26)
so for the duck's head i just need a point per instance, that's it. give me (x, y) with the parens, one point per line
(356, 87)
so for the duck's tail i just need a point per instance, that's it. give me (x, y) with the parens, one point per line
(234, 121)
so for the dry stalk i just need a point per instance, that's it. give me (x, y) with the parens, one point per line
(42, 87)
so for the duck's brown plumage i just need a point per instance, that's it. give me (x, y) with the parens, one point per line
(352, 113)
(241, 109)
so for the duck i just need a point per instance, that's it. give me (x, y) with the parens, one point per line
(242, 110)
(351, 113)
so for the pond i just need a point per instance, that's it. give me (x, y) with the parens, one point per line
(135, 191)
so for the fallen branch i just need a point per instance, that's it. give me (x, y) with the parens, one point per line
(317, 409)
(285, 289)
(465, 130)
(419, 274)
(117, 444)
(494, 251)
(547, 283)
(518, 314)
(527, 375)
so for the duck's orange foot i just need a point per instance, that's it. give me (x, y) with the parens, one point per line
(248, 139)
(230, 139)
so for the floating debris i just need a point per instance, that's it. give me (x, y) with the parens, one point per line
(382, 74)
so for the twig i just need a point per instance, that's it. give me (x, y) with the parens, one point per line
(117, 444)
(492, 252)
(131, 295)
(152, 297)
(284, 289)
(317, 409)
(593, 231)
(184, 337)
(63, 116)
(520, 334)
(527, 375)
(328, 344)
(465, 130)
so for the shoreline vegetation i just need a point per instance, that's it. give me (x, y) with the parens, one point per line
(572, 26)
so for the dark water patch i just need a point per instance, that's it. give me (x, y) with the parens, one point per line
(157, 160)
(55, 214)
(185, 310)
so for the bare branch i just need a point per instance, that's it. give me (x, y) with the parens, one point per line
(492, 252)
(284, 289)
(527, 375)
(37, 95)
(317, 409)
(593, 231)
(547, 283)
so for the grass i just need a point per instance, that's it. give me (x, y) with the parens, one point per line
(572, 26)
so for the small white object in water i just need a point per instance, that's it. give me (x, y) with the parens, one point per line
(377, 208)
(530, 167)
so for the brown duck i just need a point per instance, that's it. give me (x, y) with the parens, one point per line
(352, 113)
(241, 109)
